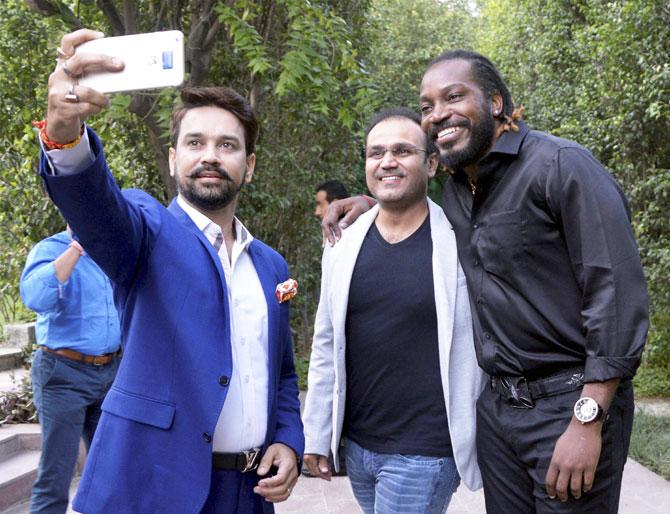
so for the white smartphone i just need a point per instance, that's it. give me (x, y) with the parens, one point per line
(152, 60)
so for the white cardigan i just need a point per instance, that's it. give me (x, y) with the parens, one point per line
(462, 380)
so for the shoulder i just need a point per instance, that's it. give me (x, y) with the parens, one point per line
(437, 214)
(47, 250)
(141, 197)
(58, 239)
(553, 147)
(351, 239)
(57, 242)
(356, 231)
(556, 161)
(147, 208)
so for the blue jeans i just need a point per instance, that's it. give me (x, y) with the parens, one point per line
(68, 396)
(400, 484)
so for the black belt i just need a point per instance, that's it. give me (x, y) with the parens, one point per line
(245, 461)
(521, 393)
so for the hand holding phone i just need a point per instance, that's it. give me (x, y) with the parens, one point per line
(152, 60)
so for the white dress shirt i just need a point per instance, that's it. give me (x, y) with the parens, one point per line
(242, 422)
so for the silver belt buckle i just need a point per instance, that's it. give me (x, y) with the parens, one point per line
(253, 457)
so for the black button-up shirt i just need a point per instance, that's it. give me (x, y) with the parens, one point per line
(553, 270)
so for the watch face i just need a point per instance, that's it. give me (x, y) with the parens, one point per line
(586, 409)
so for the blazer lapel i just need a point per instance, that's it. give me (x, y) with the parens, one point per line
(187, 222)
(342, 261)
(269, 280)
(445, 279)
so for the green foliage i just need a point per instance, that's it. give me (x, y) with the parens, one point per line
(26, 215)
(246, 39)
(657, 350)
(650, 443)
(652, 382)
(17, 406)
(404, 36)
(301, 368)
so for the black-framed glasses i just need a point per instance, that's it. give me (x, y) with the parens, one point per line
(399, 151)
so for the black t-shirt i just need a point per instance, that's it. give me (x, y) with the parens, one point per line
(395, 402)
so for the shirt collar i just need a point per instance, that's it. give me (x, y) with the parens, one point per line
(242, 236)
(510, 142)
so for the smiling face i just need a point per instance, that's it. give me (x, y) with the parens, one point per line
(209, 161)
(396, 166)
(457, 114)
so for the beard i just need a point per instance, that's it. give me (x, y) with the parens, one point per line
(481, 136)
(208, 197)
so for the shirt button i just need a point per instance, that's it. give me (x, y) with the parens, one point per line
(487, 336)
(224, 380)
(476, 225)
(206, 437)
(242, 341)
(246, 379)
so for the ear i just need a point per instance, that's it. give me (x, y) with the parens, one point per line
(496, 104)
(171, 155)
(433, 162)
(251, 165)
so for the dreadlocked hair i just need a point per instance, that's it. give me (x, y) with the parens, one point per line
(490, 81)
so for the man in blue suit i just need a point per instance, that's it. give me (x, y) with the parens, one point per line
(205, 402)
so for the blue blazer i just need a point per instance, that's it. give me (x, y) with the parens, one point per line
(152, 449)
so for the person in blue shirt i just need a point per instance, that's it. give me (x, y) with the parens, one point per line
(78, 334)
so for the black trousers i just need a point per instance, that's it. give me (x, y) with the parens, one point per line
(515, 446)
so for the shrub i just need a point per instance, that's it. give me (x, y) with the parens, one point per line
(652, 382)
(17, 406)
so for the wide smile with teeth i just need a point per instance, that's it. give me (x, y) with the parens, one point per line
(390, 178)
(448, 131)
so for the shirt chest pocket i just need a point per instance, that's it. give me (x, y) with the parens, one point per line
(499, 243)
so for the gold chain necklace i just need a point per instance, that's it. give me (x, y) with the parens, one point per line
(473, 186)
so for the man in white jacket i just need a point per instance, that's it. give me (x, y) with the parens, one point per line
(393, 367)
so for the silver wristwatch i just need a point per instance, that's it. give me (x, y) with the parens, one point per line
(588, 410)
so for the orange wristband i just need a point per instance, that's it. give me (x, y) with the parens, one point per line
(52, 145)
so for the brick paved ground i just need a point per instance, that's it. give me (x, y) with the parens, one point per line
(643, 492)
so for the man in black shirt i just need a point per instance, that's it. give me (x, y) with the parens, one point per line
(393, 367)
(556, 283)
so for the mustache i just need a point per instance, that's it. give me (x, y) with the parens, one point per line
(436, 129)
(221, 172)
